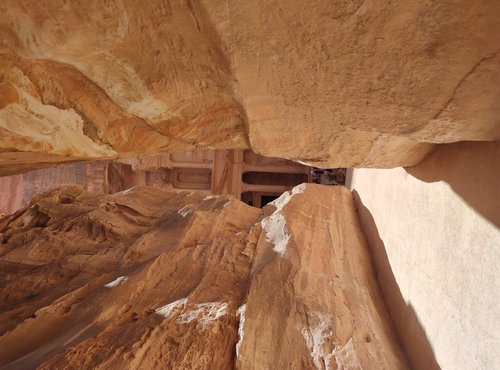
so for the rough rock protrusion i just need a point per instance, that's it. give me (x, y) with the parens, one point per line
(153, 279)
(330, 83)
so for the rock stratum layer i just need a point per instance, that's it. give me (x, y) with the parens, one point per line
(154, 279)
(331, 83)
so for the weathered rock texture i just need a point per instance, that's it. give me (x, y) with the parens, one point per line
(333, 83)
(93, 80)
(155, 279)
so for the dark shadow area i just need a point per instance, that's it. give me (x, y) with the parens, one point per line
(406, 323)
(472, 169)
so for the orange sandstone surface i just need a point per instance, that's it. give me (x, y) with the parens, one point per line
(331, 83)
(148, 278)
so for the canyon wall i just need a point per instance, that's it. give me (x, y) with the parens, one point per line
(153, 279)
(331, 83)
(17, 191)
(434, 234)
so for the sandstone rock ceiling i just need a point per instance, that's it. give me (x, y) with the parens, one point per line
(149, 279)
(332, 83)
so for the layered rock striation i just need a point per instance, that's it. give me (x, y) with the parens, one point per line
(153, 279)
(331, 83)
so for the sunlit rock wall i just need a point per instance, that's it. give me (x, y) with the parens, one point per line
(154, 279)
(331, 83)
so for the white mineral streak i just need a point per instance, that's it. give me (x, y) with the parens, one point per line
(205, 313)
(116, 282)
(318, 335)
(167, 310)
(241, 331)
(346, 357)
(184, 211)
(275, 225)
(126, 191)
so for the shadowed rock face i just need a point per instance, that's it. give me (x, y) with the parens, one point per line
(331, 83)
(154, 279)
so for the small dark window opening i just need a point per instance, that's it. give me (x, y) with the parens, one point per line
(268, 198)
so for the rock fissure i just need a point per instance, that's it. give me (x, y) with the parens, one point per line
(463, 79)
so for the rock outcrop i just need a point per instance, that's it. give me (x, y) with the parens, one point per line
(331, 83)
(154, 279)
